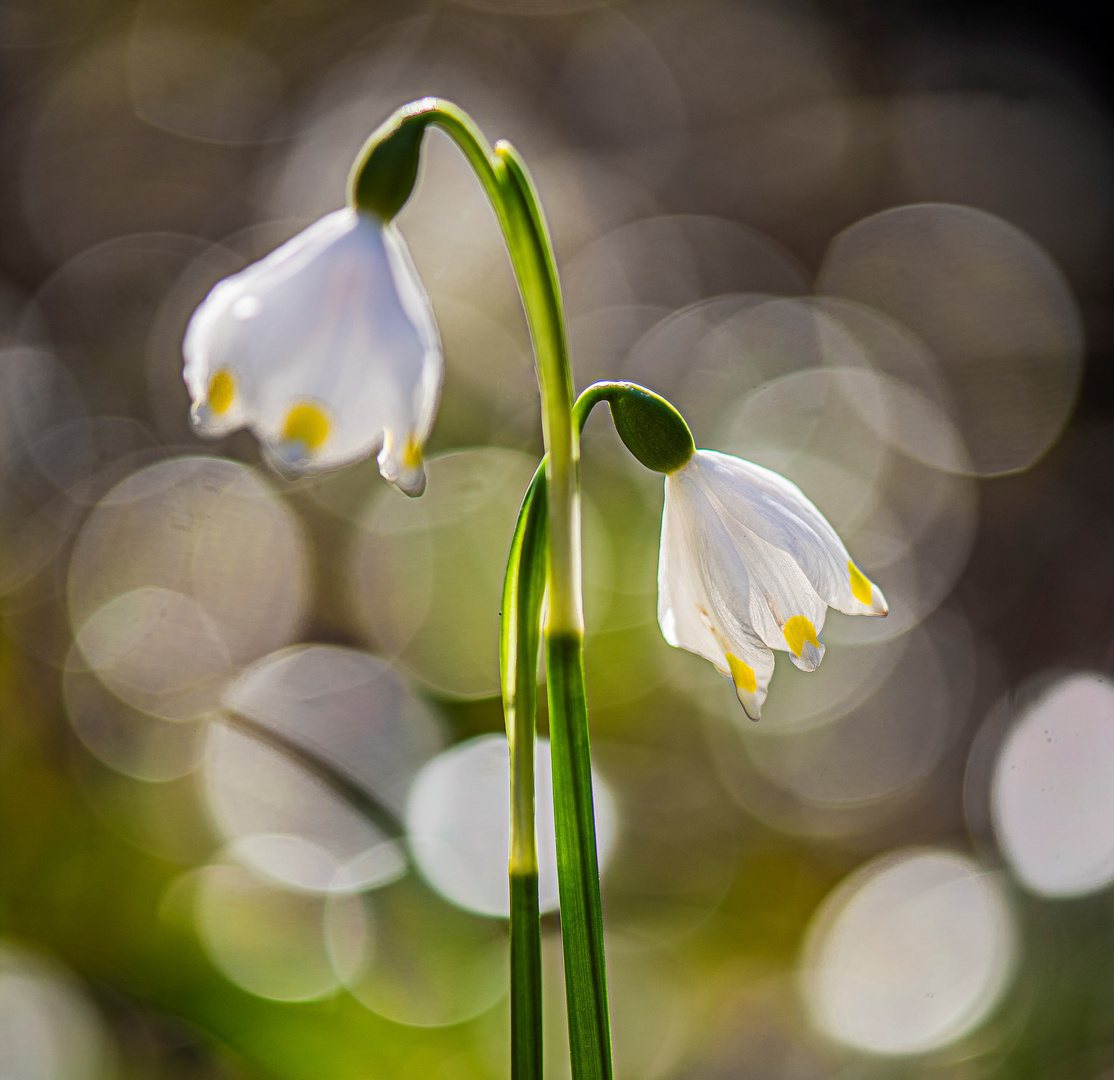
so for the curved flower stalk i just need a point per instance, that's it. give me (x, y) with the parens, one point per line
(326, 349)
(381, 181)
(747, 563)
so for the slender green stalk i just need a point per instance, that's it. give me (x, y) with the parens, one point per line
(519, 642)
(507, 183)
(574, 814)
(523, 591)
(510, 191)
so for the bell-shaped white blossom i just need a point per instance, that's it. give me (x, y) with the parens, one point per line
(326, 349)
(748, 565)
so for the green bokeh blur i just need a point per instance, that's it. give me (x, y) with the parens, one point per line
(871, 252)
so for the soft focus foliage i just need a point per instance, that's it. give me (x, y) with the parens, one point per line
(870, 253)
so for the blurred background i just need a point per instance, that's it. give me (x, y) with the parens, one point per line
(867, 244)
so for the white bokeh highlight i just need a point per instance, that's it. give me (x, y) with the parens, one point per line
(1052, 795)
(49, 1029)
(347, 709)
(267, 940)
(185, 571)
(909, 954)
(458, 822)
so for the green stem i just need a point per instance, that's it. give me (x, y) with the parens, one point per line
(574, 814)
(509, 188)
(578, 872)
(523, 590)
(519, 642)
(510, 191)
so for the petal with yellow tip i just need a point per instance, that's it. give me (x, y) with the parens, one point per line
(861, 589)
(307, 424)
(222, 392)
(748, 565)
(321, 348)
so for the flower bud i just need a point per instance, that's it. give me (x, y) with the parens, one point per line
(651, 429)
(386, 169)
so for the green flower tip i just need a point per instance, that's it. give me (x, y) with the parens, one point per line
(386, 168)
(650, 427)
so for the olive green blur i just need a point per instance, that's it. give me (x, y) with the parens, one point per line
(867, 246)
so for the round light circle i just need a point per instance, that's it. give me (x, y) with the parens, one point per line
(458, 821)
(910, 954)
(1052, 795)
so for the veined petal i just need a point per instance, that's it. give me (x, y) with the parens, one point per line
(748, 565)
(776, 511)
(782, 606)
(696, 613)
(683, 604)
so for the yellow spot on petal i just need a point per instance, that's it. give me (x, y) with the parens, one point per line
(222, 391)
(307, 424)
(861, 589)
(412, 455)
(797, 631)
(742, 674)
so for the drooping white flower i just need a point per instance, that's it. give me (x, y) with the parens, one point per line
(326, 349)
(748, 565)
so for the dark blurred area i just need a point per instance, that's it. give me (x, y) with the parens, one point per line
(866, 244)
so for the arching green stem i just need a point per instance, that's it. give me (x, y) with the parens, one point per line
(381, 181)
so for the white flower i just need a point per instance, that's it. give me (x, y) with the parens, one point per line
(748, 565)
(326, 349)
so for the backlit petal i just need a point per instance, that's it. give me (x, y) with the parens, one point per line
(779, 589)
(336, 319)
(775, 510)
(748, 565)
(702, 588)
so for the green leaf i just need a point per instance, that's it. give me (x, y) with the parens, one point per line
(577, 868)
(519, 643)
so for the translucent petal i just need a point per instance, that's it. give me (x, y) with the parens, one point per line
(335, 323)
(748, 565)
(702, 589)
(777, 512)
(780, 605)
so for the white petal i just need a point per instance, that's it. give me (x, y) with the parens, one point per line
(748, 565)
(247, 323)
(400, 462)
(781, 605)
(776, 511)
(416, 304)
(335, 321)
(683, 605)
(697, 615)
